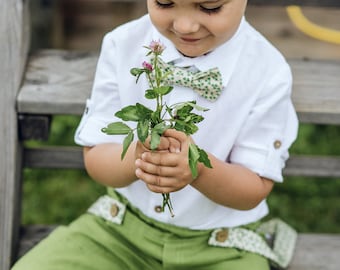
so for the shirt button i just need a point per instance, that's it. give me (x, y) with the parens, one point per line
(158, 209)
(222, 236)
(277, 144)
(114, 210)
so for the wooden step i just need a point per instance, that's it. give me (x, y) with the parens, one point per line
(316, 252)
(71, 157)
(59, 82)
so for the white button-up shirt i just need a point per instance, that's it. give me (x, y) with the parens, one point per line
(252, 123)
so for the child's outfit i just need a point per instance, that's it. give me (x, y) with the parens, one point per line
(252, 123)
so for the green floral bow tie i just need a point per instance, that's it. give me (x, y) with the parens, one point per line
(208, 83)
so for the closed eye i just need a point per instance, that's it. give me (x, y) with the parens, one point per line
(164, 5)
(210, 10)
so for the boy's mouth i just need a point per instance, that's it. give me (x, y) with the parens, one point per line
(189, 39)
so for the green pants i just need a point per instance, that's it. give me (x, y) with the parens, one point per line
(92, 243)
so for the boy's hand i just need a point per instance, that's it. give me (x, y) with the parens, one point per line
(166, 171)
(167, 144)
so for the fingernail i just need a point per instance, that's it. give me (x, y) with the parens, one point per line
(137, 172)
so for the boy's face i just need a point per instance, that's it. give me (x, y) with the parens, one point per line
(196, 27)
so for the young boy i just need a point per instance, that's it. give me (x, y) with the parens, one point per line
(247, 131)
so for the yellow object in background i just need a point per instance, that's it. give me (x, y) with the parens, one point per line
(311, 29)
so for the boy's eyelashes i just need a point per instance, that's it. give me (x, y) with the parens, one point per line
(169, 4)
(210, 10)
(164, 4)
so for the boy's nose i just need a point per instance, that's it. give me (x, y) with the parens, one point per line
(185, 25)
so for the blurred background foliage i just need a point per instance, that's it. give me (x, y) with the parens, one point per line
(59, 196)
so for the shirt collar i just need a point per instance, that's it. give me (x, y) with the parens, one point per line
(224, 57)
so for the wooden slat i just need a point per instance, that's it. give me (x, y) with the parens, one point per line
(14, 42)
(316, 93)
(313, 166)
(56, 157)
(58, 82)
(317, 252)
(320, 3)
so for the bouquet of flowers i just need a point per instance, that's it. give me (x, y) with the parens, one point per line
(153, 123)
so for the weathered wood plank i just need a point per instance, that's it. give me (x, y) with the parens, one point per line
(71, 157)
(58, 82)
(14, 42)
(313, 166)
(316, 94)
(316, 252)
(54, 157)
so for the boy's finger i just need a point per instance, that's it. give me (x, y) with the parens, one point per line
(161, 158)
(174, 145)
(175, 134)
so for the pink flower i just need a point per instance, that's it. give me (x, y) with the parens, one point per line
(147, 66)
(157, 47)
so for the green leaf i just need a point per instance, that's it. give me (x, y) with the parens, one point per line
(196, 118)
(150, 94)
(196, 155)
(155, 139)
(143, 130)
(128, 113)
(126, 143)
(136, 71)
(160, 128)
(187, 128)
(196, 107)
(156, 134)
(155, 118)
(117, 128)
(193, 159)
(163, 90)
(184, 110)
(191, 104)
(143, 112)
(204, 158)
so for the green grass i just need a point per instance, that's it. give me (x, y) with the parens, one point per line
(309, 204)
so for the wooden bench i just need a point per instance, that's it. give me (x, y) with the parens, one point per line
(52, 82)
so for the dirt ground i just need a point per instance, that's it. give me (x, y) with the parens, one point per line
(85, 24)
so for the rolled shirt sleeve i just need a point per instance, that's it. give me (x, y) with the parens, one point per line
(104, 101)
(269, 131)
